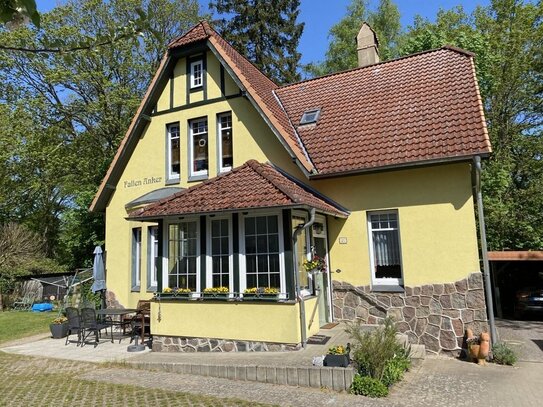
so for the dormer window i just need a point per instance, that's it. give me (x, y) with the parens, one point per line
(310, 116)
(196, 74)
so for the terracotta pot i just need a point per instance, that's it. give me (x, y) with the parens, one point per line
(473, 350)
(484, 347)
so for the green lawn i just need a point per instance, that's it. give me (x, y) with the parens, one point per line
(18, 324)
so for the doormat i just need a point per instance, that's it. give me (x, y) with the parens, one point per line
(317, 339)
(330, 325)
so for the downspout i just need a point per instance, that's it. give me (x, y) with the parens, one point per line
(299, 298)
(484, 249)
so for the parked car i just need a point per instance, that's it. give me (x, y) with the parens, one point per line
(529, 300)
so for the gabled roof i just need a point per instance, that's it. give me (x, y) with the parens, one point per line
(258, 86)
(250, 186)
(421, 108)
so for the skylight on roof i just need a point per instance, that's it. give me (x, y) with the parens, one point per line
(310, 116)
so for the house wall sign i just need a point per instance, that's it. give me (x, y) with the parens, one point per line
(142, 181)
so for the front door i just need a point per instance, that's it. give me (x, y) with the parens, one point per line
(322, 281)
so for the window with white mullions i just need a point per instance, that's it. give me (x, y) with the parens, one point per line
(199, 159)
(136, 259)
(221, 250)
(152, 256)
(173, 151)
(225, 143)
(196, 74)
(262, 252)
(385, 248)
(183, 255)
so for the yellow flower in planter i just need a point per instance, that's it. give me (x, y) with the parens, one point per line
(216, 290)
(167, 290)
(182, 290)
(59, 320)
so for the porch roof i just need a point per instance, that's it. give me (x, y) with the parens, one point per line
(250, 186)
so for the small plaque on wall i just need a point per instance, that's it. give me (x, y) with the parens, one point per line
(342, 240)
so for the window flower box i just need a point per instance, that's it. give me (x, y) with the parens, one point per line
(261, 293)
(176, 293)
(216, 292)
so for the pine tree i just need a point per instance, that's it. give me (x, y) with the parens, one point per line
(265, 32)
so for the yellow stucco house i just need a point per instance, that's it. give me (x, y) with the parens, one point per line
(341, 197)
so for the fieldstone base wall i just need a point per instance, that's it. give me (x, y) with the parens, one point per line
(111, 300)
(434, 315)
(179, 344)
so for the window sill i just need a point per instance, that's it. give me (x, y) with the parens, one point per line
(195, 178)
(172, 181)
(196, 89)
(135, 289)
(387, 289)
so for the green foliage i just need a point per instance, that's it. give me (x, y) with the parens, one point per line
(17, 12)
(372, 350)
(266, 32)
(62, 115)
(502, 354)
(396, 367)
(342, 54)
(368, 386)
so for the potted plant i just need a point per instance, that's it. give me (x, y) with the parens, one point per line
(317, 264)
(59, 327)
(216, 292)
(478, 346)
(261, 292)
(176, 292)
(338, 356)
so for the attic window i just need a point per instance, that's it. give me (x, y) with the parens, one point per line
(310, 116)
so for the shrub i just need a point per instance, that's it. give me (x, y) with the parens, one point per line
(395, 368)
(502, 354)
(374, 349)
(368, 386)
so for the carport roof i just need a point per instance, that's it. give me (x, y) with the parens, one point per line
(511, 255)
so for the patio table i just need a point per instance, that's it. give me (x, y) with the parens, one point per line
(117, 312)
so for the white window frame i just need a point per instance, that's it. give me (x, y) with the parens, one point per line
(197, 75)
(202, 173)
(172, 175)
(219, 141)
(166, 256)
(152, 252)
(243, 263)
(309, 290)
(136, 233)
(209, 259)
(377, 282)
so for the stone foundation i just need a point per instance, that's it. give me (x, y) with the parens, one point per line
(179, 344)
(434, 315)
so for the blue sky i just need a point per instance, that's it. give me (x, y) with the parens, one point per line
(320, 15)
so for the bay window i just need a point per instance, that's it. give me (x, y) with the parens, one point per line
(220, 253)
(183, 249)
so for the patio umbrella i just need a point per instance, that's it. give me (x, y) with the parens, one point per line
(98, 273)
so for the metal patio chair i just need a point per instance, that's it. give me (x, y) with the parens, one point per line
(90, 325)
(74, 324)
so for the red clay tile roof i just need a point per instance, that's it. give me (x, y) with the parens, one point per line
(258, 85)
(252, 185)
(420, 108)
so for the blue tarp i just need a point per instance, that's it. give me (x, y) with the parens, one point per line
(42, 307)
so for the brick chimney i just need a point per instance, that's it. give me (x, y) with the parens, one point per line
(367, 46)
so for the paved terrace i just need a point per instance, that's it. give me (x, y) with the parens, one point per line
(431, 382)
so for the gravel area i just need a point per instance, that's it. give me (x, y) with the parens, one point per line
(525, 337)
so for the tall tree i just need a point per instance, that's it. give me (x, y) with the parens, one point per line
(341, 54)
(64, 114)
(506, 38)
(266, 32)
